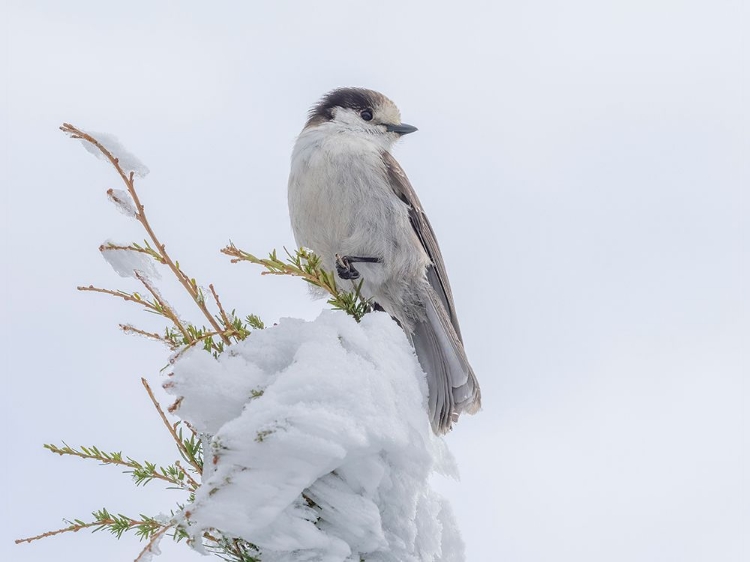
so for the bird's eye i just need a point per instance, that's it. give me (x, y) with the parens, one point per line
(366, 114)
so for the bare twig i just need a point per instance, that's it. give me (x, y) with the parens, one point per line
(104, 247)
(72, 529)
(176, 405)
(132, 248)
(224, 316)
(178, 464)
(128, 329)
(170, 427)
(166, 309)
(121, 294)
(191, 428)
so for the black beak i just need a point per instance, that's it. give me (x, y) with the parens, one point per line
(402, 129)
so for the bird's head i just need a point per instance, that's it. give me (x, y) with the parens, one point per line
(361, 112)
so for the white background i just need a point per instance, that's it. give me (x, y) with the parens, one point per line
(584, 165)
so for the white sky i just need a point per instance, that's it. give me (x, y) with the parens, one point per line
(584, 165)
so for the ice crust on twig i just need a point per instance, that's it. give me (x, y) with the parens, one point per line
(123, 201)
(128, 161)
(128, 262)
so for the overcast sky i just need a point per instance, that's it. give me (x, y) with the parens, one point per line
(584, 165)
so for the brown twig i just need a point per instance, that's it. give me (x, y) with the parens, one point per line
(166, 309)
(175, 406)
(72, 529)
(191, 428)
(132, 248)
(154, 540)
(122, 294)
(224, 316)
(178, 464)
(128, 329)
(170, 427)
(108, 246)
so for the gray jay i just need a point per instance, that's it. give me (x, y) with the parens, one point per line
(352, 204)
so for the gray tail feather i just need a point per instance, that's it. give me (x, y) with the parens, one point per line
(453, 388)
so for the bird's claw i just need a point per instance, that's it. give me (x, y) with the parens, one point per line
(345, 269)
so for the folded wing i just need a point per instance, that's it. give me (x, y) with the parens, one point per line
(437, 339)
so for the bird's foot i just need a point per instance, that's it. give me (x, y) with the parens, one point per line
(346, 270)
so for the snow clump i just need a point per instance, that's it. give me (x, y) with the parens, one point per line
(320, 444)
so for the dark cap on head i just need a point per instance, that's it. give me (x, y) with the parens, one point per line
(357, 99)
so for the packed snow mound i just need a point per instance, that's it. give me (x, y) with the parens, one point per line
(321, 448)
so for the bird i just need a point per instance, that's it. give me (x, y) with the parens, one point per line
(351, 203)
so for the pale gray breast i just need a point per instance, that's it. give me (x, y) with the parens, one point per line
(341, 202)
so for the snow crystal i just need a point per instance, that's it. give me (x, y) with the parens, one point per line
(127, 262)
(321, 447)
(123, 201)
(128, 161)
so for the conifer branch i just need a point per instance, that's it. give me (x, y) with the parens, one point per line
(223, 329)
(142, 473)
(306, 264)
(188, 283)
(145, 527)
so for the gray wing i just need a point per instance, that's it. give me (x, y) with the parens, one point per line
(437, 276)
(453, 387)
